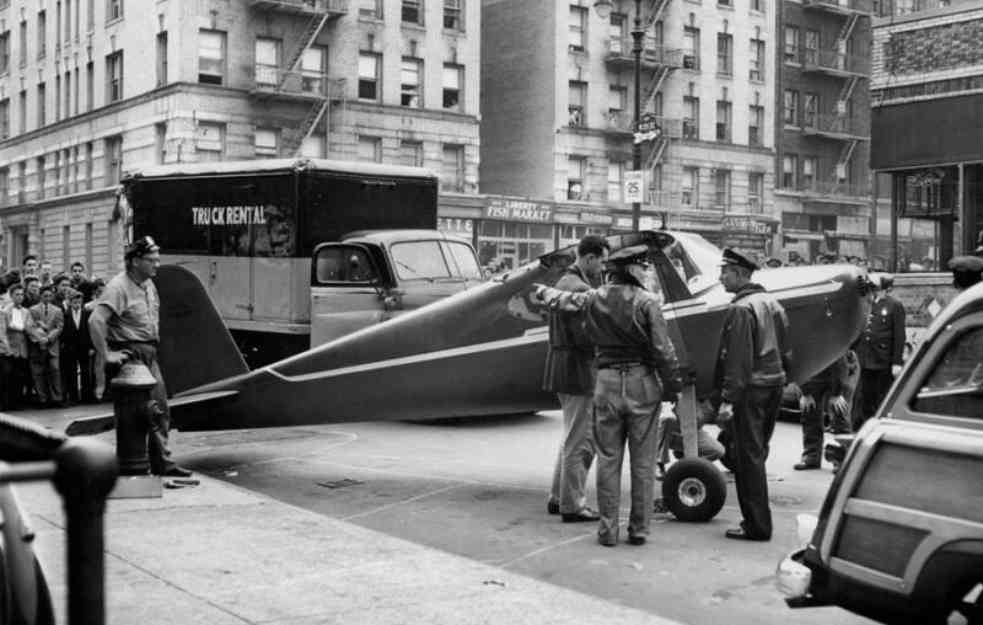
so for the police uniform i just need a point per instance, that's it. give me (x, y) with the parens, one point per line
(750, 375)
(636, 370)
(880, 346)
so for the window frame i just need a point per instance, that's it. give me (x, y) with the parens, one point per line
(722, 193)
(576, 164)
(790, 107)
(756, 121)
(690, 195)
(577, 111)
(790, 171)
(114, 80)
(114, 10)
(411, 94)
(725, 54)
(458, 184)
(364, 80)
(410, 7)
(790, 49)
(727, 125)
(454, 91)
(454, 15)
(577, 32)
(755, 193)
(221, 63)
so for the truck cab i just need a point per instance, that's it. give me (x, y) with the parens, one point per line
(371, 276)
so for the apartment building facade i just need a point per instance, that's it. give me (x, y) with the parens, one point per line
(92, 88)
(557, 119)
(823, 189)
(927, 126)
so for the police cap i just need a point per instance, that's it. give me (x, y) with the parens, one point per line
(738, 260)
(636, 254)
(773, 262)
(141, 247)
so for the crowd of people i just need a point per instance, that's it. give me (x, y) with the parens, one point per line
(46, 354)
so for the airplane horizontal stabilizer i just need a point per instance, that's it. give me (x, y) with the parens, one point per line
(97, 424)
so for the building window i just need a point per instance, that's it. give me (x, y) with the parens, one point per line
(370, 149)
(791, 44)
(721, 189)
(314, 146)
(57, 97)
(114, 10)
(88, 245)
(265, 142)
(368, 76)
(616, 34)
(757, 5)
(757, 62)
(89, 160)
(689, 187)
(755, 191)
(452, 86)
(160, 143)
(810, 55)
(576, 170)
(617, 99)
(370, 8)
(452, 14)
(409, 83)
(211, 57)
(725, 54)
(42, 31)
(691, 48)
(790, 166)
(57, 26)
(4, 185)
(808, 179)
(162, 58)
(267, 55)
(90, 85)
(22, 182)
(75, 95)
(578, 28)
(76, 169)
(691, 118)
(114, 160)
(413, 11)
(23, 44)
(312, 70)
(22, 105)
(5, 118)
(411, 153)
(209, 141)
(756, 122)
(68, 20)
(615, 179)
(790, 110)
(724, 125)
(576, 116)
(42, 96)
(810, 111)
(68, 94)
(5, 52)
(90, 15)
(41, 174)
(114, 76)
(452, 168)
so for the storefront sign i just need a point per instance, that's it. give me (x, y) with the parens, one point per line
(566, 218)
(456, 226)
(746, 224)
(595, 218)
(519, 210)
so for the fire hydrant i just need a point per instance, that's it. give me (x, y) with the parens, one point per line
(134, 410)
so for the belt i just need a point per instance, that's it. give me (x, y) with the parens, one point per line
(126, 343)
(622, 366)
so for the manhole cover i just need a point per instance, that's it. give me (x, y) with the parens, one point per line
(342, 483)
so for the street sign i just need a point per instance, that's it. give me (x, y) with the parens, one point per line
(634, 186)
(648, 129)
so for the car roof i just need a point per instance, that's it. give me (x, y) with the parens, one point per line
(385, 237)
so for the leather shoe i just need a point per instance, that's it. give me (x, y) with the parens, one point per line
(636, 540)
(176, 471)
(585, 515)
(806, 466)
(553, 507)
(738, 533)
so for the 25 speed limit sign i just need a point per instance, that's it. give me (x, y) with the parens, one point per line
(634, 186)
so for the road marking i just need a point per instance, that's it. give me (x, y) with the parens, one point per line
(399, 503)
(536, 552)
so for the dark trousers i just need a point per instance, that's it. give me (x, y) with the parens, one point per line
(874, 385)
(753, 425)
(75, 369)
(18, 383)
(160, 422)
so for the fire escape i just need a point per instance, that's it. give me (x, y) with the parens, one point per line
(295, 81)
(837, 63)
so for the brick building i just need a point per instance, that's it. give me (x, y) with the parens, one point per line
(557, 114)
(823, 189)
(927, 126)
(90, 88)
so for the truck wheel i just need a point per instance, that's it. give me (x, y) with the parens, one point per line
(694, 490)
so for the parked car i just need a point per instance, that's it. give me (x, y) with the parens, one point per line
(899, 538)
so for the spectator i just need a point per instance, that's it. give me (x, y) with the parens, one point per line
(30, 266)
(32, 291)
(45, 273)
(45, 348)
(96, 364)
(62, 284)
(77, 275)
(76, 348)
(19, 324)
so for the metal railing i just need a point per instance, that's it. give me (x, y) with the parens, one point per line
(83, 471)
(832, 124)
(834, 61)
(273, 79)
(304, 6)
(620, 49)
(841, 6)
(827, 188)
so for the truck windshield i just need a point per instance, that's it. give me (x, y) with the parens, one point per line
(415, 260)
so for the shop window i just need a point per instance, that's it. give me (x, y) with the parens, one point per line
(368, 76)
(211, 57)
(689, 195)
(576, 168)
(790, 164)
(578, 28)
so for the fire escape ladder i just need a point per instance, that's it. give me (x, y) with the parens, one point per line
(847, 28)
(847, 152)
(314, 116)
(655, 85)
(305, 40)
(656, 8)
(846, 93)
(656, 152)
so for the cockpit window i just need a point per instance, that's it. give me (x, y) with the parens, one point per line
(955, 386)
(695, 260)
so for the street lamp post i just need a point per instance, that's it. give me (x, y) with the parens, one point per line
(603, 9)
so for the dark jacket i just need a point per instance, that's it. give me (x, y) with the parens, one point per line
(76, 339)
(569, 361)
(753, 344)
(882, 342)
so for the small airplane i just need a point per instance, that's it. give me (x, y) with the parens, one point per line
(478, 352)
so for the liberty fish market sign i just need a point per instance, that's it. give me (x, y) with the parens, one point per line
(518, 210)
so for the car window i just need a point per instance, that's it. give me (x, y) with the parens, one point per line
(463, 256)
(343, 264)
(954, 387)
(416, 260)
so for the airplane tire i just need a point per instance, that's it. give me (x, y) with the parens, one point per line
(694, 490)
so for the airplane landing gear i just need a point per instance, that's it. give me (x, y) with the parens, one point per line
(694, 490)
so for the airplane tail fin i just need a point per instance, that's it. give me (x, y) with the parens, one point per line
(195, 346)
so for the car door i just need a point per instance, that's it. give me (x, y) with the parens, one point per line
(346, 291)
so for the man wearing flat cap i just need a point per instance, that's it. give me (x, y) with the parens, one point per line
(636, 371)
(749, 377)
(966, 271)
(125, 324)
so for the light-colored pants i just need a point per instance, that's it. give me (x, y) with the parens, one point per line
(626, 402)
(575, 455)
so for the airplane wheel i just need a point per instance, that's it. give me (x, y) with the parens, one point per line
(694, 490)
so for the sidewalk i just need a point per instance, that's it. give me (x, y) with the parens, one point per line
(216, 554)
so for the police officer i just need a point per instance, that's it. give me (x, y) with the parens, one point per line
(636, 370)
(569, 374)
(879, 349)
(749, 377)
